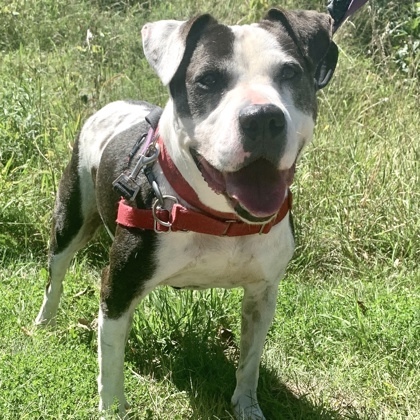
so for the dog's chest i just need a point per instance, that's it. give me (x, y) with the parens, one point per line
(189, 260)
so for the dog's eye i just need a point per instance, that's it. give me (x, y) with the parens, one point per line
(289, 71)
(208, 81)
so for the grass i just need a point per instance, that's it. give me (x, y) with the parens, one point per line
(344, 343)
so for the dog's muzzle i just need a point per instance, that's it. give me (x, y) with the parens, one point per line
(256, 192)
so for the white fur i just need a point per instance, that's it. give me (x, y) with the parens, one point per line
(112, 336)
(202, 261)
(163, 46)
(103, 126)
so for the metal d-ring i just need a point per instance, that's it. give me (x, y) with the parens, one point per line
(156, 206)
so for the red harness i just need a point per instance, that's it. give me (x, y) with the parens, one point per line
(202, 219)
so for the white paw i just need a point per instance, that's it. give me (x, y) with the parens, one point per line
(43, 321)
(247, 408)
(117, 410)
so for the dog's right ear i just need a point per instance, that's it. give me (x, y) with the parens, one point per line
(165, 43)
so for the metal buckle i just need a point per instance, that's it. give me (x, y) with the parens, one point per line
(230, 222)
(269, 222)
(262, 228)
(158, 206)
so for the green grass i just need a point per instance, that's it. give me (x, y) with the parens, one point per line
(344, 343)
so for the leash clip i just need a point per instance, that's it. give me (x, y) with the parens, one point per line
(127, 185)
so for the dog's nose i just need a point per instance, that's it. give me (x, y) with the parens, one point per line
(259, 122)
(264, 129)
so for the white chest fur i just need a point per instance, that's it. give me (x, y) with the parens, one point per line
(191, 260)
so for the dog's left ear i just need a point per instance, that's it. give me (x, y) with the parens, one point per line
(165, 43)
(312, 33)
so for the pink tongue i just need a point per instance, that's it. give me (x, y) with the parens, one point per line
(259, 187)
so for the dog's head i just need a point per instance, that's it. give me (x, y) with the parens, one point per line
(243, 102)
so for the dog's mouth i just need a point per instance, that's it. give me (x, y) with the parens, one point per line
(256, 192)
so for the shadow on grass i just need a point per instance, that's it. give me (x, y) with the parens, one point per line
(205, 370)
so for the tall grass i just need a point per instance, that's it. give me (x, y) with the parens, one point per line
(345, 340)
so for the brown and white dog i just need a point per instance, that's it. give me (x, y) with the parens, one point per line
(242, 107)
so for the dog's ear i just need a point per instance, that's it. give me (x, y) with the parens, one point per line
(326, 66)
(165, 43)
(312, 33)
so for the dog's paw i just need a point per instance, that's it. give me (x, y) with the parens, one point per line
(117, 410)
(42, 322)
(247, 408)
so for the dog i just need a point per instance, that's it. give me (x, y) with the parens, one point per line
(197, 195)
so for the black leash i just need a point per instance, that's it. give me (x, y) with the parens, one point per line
(146, 152)
(340, 10)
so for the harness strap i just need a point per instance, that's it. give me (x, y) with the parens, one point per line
(183, 219)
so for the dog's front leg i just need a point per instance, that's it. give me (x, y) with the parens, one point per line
(258, 307)
(115, 318)
(123, 285)
(112, 336)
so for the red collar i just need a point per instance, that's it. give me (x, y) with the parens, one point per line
(182, 188)
(200, 218)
